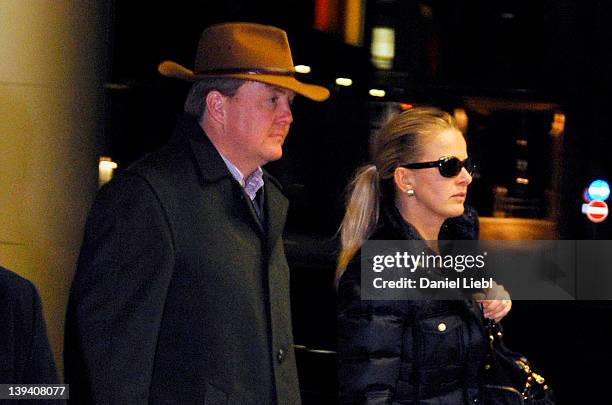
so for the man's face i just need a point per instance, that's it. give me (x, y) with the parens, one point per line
(257, 120)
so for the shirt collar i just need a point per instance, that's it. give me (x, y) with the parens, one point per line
(251, 184)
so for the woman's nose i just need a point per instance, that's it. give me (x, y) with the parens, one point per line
(465, 177)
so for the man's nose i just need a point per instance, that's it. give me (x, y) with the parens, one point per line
(285, 115)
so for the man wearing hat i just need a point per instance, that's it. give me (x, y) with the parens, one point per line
(181, 294)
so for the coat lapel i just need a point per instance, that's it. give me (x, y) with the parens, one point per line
(211, 166)
(252, 212)
(276, 211)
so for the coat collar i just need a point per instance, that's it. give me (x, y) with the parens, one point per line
(393, 221)
(211, 165)
(393, 226)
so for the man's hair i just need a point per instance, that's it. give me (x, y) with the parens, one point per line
(195, 104)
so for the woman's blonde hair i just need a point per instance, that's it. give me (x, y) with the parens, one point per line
(400, 141)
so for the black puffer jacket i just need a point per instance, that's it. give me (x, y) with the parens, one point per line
(409, 352)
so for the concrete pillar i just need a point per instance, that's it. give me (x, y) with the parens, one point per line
(52, 63)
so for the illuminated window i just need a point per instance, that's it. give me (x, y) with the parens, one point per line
(383, 47)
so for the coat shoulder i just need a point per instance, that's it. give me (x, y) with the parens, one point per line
(14, 288)
(171, 161)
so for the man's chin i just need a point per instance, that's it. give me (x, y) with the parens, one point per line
(275, 155)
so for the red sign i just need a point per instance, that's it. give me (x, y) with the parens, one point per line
(597, 211)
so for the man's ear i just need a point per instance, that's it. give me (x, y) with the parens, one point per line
(403, 179)
(215, 105)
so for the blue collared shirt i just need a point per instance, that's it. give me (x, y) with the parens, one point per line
(251, 184)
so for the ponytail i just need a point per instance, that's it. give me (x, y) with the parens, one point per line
(361, 215)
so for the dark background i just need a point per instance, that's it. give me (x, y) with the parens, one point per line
(552, 52)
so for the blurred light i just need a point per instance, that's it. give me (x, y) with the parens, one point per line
(353, 21)
(558, 125)
(105, 170)
(461, 118)
(376, 93)
(522, 180)
(521, 142)
(322, 15)
(426, 11)
(599, 190)
(344, 81)
(107, 164)
(302, 68)
(383, 47)
(116, 86)
(521, 164)
(405, 106)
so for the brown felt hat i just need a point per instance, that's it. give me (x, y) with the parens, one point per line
(245, 51)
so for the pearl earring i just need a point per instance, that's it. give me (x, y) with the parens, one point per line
(410, 192)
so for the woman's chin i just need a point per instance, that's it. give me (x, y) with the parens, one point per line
(456, 210)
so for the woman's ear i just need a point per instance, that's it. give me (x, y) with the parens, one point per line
(403, 179)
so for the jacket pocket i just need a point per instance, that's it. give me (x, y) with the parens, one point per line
(441, 342)
(214, 396)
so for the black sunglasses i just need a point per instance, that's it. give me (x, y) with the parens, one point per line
(449, 166)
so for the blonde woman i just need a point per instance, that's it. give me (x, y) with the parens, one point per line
(425, 352)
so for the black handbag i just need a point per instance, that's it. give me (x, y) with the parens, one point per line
(509, 378)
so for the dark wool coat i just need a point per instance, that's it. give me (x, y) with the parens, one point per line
(25, 355)
(396, 352)
(181, 295)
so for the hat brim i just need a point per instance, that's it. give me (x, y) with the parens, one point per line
(311, 91)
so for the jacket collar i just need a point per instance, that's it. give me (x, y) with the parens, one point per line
(211, 165)
(464, 227)
(392, 225)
